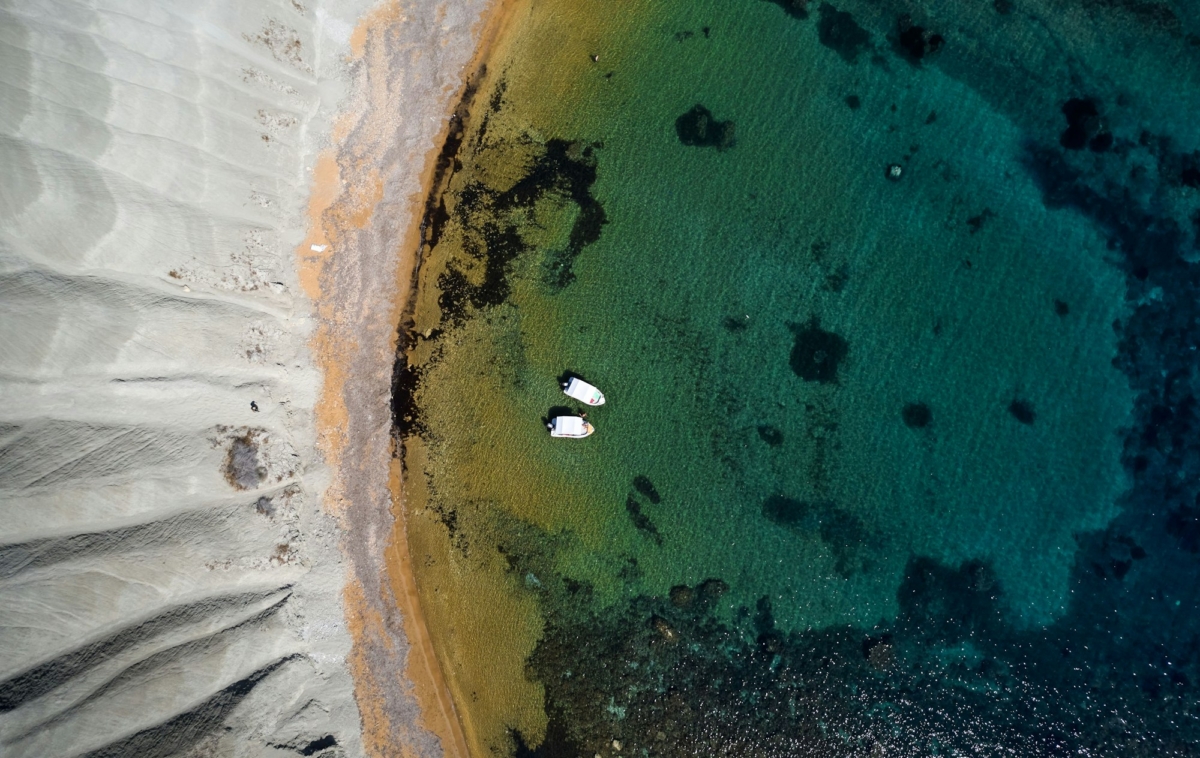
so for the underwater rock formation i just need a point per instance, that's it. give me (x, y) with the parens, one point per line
(699, 128)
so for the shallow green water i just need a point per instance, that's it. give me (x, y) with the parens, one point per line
(703, 310)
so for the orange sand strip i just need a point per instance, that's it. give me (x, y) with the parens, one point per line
(347, 189)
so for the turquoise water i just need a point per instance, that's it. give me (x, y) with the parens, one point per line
(872, 432)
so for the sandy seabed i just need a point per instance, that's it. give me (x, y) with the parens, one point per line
(199, 550)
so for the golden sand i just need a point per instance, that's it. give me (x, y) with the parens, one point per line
(348, 187)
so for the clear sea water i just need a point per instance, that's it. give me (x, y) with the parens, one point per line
(890, 465)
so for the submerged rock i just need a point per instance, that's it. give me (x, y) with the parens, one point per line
(770, 435)
(794, 8)
(838, 31)
(916, 415)
(664, 629)
(1085, 128)
(817, 353)
(682, 596)
(699, 128)
(1022, 410)
(713, 588)
(915, 42)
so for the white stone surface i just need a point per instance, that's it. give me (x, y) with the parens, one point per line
(154, 167)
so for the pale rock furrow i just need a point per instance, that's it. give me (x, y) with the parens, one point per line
(168, 579)
(60, 327)
(159, 690)
(170, 583)
(43, 692)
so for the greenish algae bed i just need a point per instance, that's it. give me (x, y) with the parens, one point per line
(865, 305)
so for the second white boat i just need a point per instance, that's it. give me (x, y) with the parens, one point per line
(570, 426)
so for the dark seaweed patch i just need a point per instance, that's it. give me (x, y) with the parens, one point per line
(949, 604)
(1115, 555)
(1148, 242)
(712, 588)
(501, 245)
(406, 380)
(569, 171)
(447, 163)
(1102, 142)
(837, 280)
(916, 415)
(770, 435)
(845, 535)
(786, 511)
(794, 8)
(817, 353)
(1183, 523)
(1022, 410)
(497, 100)
(838, 31)
(1189, 174)
(699, 128)
(975, 223)
(641, 521)
(565, 169)
(642, 484)
(914, 42)
(1061, 308)
(853, 102)
(1084, 126)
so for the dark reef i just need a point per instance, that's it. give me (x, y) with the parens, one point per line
(1085, 128)
(838, 31)
(914, 42)
(916, 415)
(699, 128)
(1022, 410)
(817, 353)
(770, 435)
(794, 8)
(492, 237)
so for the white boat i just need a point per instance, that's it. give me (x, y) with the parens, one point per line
(583, 392)
(569, 426)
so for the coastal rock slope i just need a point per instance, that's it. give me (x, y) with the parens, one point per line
(170, 582)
